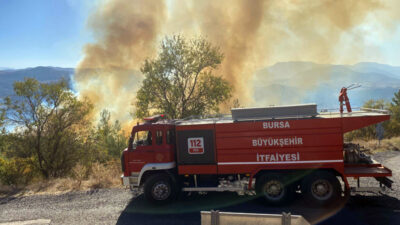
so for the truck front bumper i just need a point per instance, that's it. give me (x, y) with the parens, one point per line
(132, 181)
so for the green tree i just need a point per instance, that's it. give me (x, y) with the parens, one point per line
(370, 131)
(47, 119)
(180, 82)
(2, 118)
(110, 136)
(2, 129)
(376, 104)
(394, 108)
(396, 99)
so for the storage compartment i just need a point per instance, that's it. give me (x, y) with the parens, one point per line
(195, 147)
(289, 111)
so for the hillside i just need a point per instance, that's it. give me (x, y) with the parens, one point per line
(305, 82)
(41, 73)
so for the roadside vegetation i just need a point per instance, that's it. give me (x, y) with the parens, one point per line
(368, 136)
(51, 142)
(373, 146)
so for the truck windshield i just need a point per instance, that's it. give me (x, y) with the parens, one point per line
(142, 138)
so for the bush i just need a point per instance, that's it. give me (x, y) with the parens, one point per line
(391, 127)
(16, 171)
(105, 175)
(80, 173)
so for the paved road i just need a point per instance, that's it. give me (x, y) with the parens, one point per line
(120, 206)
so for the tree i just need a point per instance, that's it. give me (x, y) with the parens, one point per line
(370, 131)
(180, 81)
(396, 99)
(2, 129)
(110, 136)
(376, 104)
(2, 117)
(48, 119)
(394, 108)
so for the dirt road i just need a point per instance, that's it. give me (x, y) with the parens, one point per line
(120, 206)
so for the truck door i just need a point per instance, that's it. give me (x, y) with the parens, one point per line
(142, 149)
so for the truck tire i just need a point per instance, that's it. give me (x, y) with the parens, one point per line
(321, 188)
(159, 188)
(273, 188)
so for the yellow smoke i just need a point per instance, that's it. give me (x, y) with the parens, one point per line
(252, 34)
(126, 33)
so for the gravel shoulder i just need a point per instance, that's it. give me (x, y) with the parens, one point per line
(121, 206)
(91, 207)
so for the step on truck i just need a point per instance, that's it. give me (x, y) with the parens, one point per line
(272, 152)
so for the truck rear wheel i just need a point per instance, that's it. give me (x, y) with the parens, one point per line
(321, 188)
(159, 188)
(273, 189)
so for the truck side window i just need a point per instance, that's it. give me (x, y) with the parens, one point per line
(170, 137)
(142, 138)
(159, 137)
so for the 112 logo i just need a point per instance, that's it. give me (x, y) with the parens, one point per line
(196, 145)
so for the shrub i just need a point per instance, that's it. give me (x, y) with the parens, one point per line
(105, 175)
(80, 173)
(16, 171)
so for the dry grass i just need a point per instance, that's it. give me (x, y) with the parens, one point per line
(105, 176)
(83, 178)
(374, 146)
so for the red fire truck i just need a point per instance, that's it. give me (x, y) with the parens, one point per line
(273, 152)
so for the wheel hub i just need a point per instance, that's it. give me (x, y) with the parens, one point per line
(273, 189)
(322, 189)
(160, 191)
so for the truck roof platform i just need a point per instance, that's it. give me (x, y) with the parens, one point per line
(364, 112)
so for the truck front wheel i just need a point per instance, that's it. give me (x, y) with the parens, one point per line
(273, 189)
(159, 188)
(321, 188)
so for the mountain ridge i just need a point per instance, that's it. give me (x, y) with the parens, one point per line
(321, 83)
(41, 73)
(283, 83)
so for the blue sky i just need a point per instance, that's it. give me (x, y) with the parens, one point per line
(43, 32)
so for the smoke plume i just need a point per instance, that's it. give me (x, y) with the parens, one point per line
(251, 34)
(125, 33)
(236, 29)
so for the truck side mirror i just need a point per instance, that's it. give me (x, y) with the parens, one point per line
(130, 143)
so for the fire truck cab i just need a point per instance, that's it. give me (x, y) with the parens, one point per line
(151, 149)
